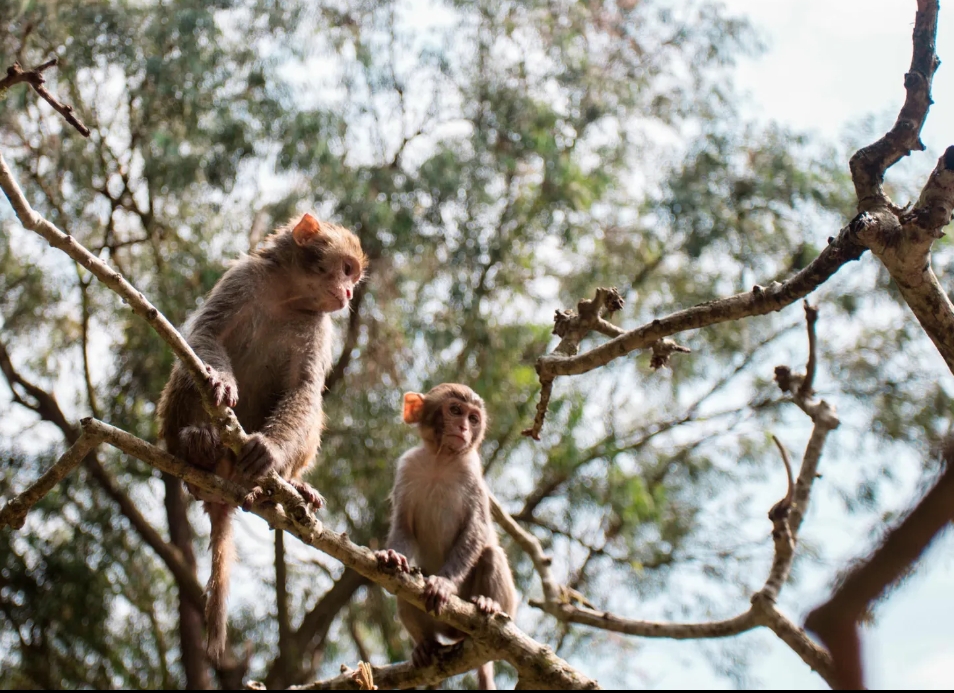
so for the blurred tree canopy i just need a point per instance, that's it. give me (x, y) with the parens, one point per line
(498, 160)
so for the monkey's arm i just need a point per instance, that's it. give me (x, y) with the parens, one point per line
(213, 320)
(294, 426)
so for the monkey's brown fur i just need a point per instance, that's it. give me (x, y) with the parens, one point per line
(441, 519)
(265, 333)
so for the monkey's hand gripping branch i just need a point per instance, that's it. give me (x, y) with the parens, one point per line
(222, 416)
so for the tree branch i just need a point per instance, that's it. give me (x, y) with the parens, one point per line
(902, 239)
(48, 408)
(759, 301)
(14, 513)
(454, 660)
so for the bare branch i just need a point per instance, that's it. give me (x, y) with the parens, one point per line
(35, 78)
(530, 544)
(902, 239)
(811, 317)
(759, 301)
(14, 513)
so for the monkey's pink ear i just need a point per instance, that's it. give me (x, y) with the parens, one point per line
(413, 407)
(306, 229)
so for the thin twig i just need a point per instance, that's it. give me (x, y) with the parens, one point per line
(14, 513)
(35, 78)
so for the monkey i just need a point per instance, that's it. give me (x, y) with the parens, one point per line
(441, 520)
(266, 337)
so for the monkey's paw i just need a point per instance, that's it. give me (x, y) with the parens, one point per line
(309, 493)
(200, 446)
(486, 605)
(393, 561)
(437, 592)
(258, 457)
(423, 653)
(254, 497)
(224, 387)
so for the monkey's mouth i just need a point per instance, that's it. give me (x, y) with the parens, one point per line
(462, 439)
(338, 301)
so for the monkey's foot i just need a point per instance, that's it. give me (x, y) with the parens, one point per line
(309, 493)
(486, 605)
(437, 592)
(255, 496)
(423, 653)
(393, 561)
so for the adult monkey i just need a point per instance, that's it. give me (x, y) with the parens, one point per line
(441, 520)
(266, 336)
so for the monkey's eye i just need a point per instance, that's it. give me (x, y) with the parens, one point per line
(474, 419)
(455, 410)
(348, 269)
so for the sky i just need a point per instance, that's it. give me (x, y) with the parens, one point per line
(829, 64)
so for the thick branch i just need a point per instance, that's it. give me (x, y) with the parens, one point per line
(35, 78)
(902, 239)
(496, 634)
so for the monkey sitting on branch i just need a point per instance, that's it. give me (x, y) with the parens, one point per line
(266, 337)
(441, 520)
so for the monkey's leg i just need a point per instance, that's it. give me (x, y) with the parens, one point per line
(490, 586)
(422, 629)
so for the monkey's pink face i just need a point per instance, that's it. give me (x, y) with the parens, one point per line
(463, 424)
(337, 280)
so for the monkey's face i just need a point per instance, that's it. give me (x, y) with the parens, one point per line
(332, 263)
(340, 275)
(462, 425)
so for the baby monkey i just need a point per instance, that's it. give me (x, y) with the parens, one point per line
(267, 339)
(441, 520)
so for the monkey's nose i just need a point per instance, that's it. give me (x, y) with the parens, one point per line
(348, 293)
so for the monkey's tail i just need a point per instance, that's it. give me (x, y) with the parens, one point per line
(223, 555)
(485, 677)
